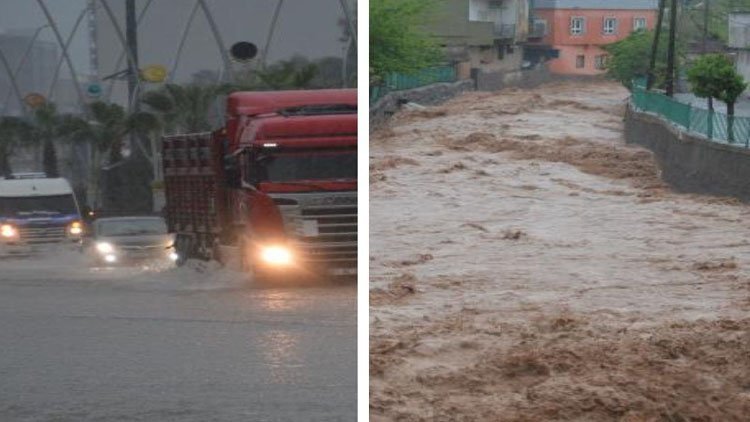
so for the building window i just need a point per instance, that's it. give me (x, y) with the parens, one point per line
(500, 52)
(577, 26)
(580, 62)
(600, 62)
(639, 24)
(610, 26)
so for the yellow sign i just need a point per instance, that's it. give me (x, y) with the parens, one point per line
(34, 100)
(154, 73)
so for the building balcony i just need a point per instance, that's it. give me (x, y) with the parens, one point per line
(505, 31)
(538, 29)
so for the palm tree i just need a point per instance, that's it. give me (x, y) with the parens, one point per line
(103, 132)
(45, 130)
(184, 108)
(13, 131)
(288, 74)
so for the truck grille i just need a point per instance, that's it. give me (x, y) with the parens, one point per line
(42, 234)
(141, 248)
(336, 240)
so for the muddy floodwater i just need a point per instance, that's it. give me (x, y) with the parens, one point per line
(528, 265)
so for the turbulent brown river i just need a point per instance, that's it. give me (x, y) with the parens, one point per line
(527, 265)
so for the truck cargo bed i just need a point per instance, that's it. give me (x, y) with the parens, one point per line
(190, 183)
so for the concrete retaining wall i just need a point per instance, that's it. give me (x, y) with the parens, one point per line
(691, 163)
(438, 93)
(426, 95)
(495, 81)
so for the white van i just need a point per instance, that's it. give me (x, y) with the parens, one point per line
(38, 210)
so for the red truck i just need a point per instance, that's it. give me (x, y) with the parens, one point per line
(273, 192)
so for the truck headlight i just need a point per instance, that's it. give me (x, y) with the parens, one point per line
(105, 248)
(75, 228)
(276, 255)
(8, 231)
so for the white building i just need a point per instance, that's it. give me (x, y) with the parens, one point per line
(739, 42)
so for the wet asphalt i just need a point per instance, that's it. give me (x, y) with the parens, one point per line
(188, 344)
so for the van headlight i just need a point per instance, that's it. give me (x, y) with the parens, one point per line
(105, 248)
(75, 228)
(8, 231)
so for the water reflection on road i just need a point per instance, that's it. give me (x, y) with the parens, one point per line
(190, 344)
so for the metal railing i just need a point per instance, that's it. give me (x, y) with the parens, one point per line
(716, 126)
(400, 81)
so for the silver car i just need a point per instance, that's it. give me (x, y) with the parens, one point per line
(128, 241)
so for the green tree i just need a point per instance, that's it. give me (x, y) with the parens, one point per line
(45, 130)
(694, 13)
(104, 130)
(630, 58)
(13, 131)
(296, 73)
(183, 108)
(713, 76)
(397, 42)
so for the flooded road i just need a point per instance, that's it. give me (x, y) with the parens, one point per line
(526, 263)
(196, 343)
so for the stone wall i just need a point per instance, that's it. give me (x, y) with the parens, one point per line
(438, 93)
(689, 162)
(494, 81)
(426, 95)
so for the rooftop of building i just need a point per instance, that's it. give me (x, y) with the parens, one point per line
(597, 4)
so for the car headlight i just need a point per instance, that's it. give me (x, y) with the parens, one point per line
(7, 231)
(105, 248)
(75, 228)
(276, 255)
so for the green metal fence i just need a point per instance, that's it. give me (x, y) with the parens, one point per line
(716, 126)
(400, 81)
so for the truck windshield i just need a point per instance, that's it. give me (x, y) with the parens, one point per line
(288, 167)
(131, 227)
(37, 206)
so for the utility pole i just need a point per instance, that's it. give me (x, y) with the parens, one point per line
(141, 178)
(705, 26)
(655, 46)
(131, 36)
(670, 50)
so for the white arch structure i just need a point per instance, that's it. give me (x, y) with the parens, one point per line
(19, 67)
(58, 36)
(13, 81)
(126, 53)
(51, 92)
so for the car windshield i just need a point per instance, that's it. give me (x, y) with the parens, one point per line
(287, 167)
(131, 227)
(37, 206)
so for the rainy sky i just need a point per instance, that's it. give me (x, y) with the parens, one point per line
(307, 27)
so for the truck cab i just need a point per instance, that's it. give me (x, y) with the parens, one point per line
(298, 170)
(277, 184)
(35, 210)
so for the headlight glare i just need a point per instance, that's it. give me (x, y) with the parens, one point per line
(7, 230)
(276, 255)
(105, 248)
(75, 228)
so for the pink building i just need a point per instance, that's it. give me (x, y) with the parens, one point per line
(576, 29)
